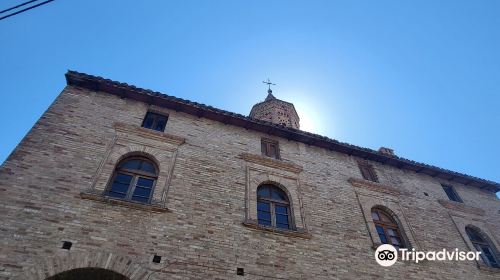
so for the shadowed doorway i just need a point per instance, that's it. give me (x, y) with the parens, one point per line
(88, 273)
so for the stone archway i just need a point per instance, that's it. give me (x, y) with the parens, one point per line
(104, 265)
(88, 273)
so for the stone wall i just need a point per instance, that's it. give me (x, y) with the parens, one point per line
(201, 224)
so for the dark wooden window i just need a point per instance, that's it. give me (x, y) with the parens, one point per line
(387, 228)
(133, 179)
(155, 121)
(270, 148)
(273, 207)
(367, 171)
(481, 245)
(451, 193)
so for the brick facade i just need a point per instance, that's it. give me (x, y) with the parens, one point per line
(202, 220)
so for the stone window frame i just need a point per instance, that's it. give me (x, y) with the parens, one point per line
(451, 193)
(392, 224)
(395, 211)
(485, 241)
(288, 203)
(263, 170)
(461, 222)
(98, 191)
(266, 143)
(132, 140)
(367, 171)
(155, 115)
(135, 174)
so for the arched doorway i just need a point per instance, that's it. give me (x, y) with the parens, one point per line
(88, 273)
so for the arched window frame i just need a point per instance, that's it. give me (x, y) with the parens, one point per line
(384, 228)
(274, 204)
(481, 242)
(133, 184)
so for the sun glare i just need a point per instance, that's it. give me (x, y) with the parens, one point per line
(310, 119)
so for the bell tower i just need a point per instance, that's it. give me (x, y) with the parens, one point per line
(275, 110)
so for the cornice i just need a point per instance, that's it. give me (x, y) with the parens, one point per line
(149, 133)
(374, 186)
(459, 206)
(270, 162)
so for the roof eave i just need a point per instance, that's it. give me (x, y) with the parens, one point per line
(77, 79)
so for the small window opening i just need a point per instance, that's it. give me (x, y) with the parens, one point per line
(451, 193)
(67, 245)
(270, 148)
(156, 259)
(367, 171)
(240, 271)
(155, 121)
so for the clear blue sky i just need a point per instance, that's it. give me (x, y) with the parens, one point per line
(421, 77)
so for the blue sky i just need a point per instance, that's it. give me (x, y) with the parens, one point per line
(421, 77)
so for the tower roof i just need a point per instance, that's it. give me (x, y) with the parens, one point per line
(270, 95)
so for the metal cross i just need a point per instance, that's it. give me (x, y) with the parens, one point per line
(269, 84)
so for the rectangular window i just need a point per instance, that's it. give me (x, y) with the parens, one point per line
(451, 193)
(270, 148)
(155, 121)
(368, 172)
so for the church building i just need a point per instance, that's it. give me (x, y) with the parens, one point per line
(116, 182)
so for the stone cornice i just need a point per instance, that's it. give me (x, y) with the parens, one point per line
(459, 206)
(270, 162)
(149, 133)
(374, 186)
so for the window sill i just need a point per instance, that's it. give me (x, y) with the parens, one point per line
(271, 162)
(149, 133)
(460, 206)
(374, 186)
(484, 267)
(291, 233)
(124, 203)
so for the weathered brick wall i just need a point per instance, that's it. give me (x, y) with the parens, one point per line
(202, 235)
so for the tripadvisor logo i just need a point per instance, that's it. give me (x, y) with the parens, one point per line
(387, 255)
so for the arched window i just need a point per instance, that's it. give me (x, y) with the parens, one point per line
(133, 179)
(387, 228)
(481, 245)
(88, 273)
(273, 207)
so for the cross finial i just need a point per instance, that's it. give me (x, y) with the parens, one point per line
(269, 84)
